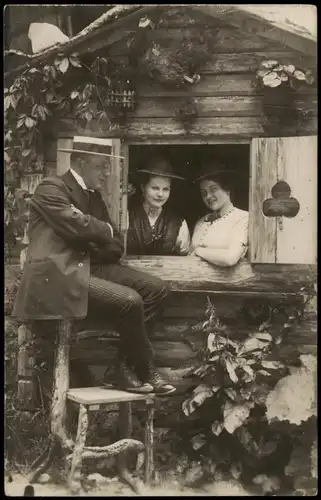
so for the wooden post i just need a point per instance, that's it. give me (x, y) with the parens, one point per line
(61, 385)
(59, 434)
(26, 392)
(149, 442)
(74, 480)
(125, 431)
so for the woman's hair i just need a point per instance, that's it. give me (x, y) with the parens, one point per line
(221, 178)
(144, 178)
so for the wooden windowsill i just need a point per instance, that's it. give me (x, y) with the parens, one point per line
(191, 274)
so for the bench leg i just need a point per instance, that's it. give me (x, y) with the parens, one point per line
(149, 443)
(76, 461)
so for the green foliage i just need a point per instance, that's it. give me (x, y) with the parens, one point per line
(33, 104)
(236, 380)
(237, 374)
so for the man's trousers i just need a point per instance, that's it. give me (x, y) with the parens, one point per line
(131, 300)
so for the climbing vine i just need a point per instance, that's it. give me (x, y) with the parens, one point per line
(33, 105)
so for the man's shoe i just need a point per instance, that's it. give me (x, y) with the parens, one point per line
(160, 386)
(128, 381)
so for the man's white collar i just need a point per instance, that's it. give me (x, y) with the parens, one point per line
(79, 179)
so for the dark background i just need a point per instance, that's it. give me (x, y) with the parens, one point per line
(186, 161)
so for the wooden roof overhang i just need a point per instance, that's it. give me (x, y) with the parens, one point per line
(105, 31)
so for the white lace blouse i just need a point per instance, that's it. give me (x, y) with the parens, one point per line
(231, 229)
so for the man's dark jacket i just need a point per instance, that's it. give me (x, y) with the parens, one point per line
(63, 245)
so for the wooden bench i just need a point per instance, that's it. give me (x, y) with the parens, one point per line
(91, 399)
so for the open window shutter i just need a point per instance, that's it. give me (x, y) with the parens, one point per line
(63, 159)
(115, 195)
(281, 239)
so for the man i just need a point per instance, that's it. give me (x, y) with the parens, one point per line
(73, 262)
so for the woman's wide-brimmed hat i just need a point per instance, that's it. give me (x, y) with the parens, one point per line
(161, 168)
(92, 146)
(211, 169)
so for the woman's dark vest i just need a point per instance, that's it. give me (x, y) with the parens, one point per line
(142, 239)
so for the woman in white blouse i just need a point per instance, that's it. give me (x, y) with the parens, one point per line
(153, 227)
(220, 237)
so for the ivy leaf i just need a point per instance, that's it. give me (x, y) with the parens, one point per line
(34, 110)
(235, 415)
(200, 394)
(231, 371)
(33, 70)
(210, 342)
(7, 102)
(49, 97)
(198, 441)
(74, 61)
(74, 94)
(8, 136)
(88, 116)
(41, 112)
(264, 326)
(26, 152)
(30, 122)
(63, 65)
(6, 157)
(53, 71)
(272, 365)
(264, 336)
(248, 370)
(252, 343)
(217, 428)
(231, 393)
(264, 372)
(21, 122)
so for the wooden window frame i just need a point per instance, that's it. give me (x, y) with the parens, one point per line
(190, 273)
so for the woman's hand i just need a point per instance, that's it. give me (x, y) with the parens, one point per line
(198, 250)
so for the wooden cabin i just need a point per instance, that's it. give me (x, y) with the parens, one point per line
(230, 125)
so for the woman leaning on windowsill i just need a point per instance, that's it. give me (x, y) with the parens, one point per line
(153, 227)
(221, 237)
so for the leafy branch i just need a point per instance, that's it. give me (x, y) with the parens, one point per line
(239, 375)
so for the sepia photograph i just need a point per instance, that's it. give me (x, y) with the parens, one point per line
(160, 250)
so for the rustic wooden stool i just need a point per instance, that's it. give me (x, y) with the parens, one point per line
(99, 398)
(90, 399)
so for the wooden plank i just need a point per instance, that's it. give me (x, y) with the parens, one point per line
(297, 165)
(191, 273)
(248, 62)
(169, 128)
(212, 85)
(164, 107)
(111, 193)
(124, 190)
(257, 25)
(96, 395)
(262, 230)
(228, 40)
(242, 127)
(63, 159)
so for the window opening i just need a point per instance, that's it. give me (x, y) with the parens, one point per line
(186, 161)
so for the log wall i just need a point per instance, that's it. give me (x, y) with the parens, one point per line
(226, 96)
(175, 342)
